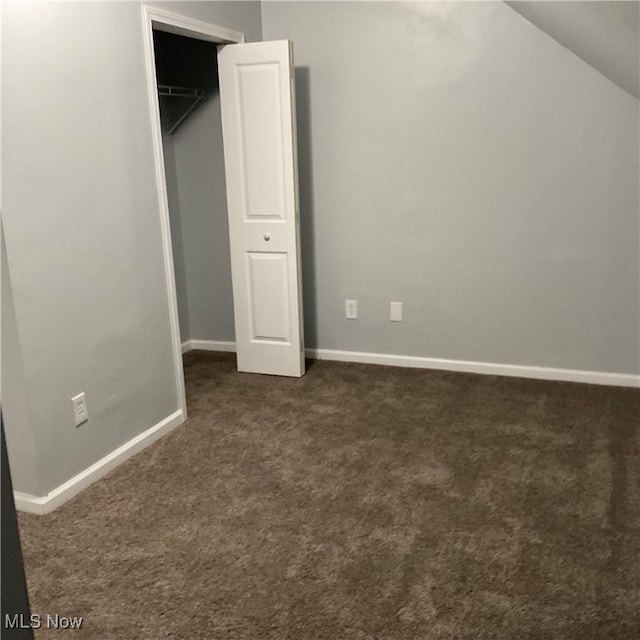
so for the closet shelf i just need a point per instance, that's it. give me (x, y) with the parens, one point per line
(180, 92)
(195, 96)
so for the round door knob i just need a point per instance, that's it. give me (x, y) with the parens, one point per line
(266, 237)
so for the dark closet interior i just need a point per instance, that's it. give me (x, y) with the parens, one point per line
(186, 73)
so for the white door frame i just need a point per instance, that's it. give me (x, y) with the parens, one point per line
(162, 20)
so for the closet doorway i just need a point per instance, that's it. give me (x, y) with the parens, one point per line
(248, 110)
(189, 101)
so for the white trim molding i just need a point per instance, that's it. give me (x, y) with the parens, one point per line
(44, 504)
(486, 368)
(41, 505)
(209, 345)
(443, 364)
(191, 27)
(155, 18)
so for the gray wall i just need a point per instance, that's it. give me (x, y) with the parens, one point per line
(200, 228)
(604, 34)
(457, 159)
(15, 409)
(82, 230)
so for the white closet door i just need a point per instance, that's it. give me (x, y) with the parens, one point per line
(258, 126)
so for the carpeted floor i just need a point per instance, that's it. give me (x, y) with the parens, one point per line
(359, 502)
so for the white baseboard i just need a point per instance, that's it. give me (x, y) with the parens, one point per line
(45, 504)
(463, 366)
(487, 368)
(209, 345)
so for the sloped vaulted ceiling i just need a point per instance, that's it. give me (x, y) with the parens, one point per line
(604, 34)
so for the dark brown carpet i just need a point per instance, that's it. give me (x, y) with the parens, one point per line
(359, 502)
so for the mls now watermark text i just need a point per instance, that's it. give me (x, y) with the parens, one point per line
(36, 621)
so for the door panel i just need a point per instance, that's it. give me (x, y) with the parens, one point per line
(269, 293)
(257, 100)
(261, 147)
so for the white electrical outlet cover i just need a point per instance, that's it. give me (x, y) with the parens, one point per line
(351, 309)
(80, 412)
(396, 312)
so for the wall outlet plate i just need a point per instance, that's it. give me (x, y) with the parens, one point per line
(351, 309)
(80, 412)
(396, 312)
